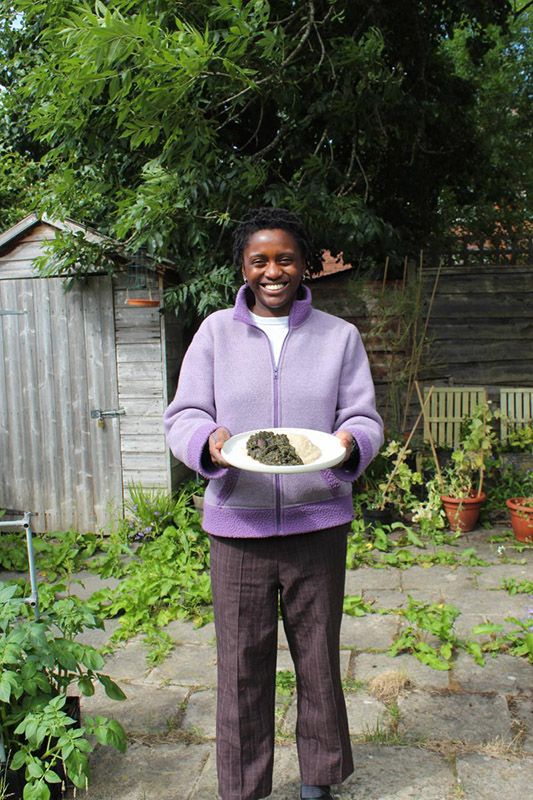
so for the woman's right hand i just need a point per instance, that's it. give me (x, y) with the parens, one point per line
(216, 440)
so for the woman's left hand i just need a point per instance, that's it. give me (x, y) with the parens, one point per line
(347, 440)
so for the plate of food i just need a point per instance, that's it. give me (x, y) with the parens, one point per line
(283, 450)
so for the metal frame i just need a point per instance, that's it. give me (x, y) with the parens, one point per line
(25, 523)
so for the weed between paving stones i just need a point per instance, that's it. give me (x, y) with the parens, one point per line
(166, 578)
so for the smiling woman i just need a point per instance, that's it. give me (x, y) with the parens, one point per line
(274, 363)
(273, 267)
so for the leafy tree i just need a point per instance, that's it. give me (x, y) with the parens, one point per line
(499, 197)
(161, 122)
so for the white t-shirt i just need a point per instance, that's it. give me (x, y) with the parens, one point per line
(276, 328)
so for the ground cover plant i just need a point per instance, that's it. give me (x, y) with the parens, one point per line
(160, 553)
(40, 660)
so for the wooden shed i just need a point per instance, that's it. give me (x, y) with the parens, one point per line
(84, 380)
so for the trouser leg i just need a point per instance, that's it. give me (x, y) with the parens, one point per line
(312, 574)
(245, 592)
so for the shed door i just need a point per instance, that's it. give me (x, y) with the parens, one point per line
(57, 363)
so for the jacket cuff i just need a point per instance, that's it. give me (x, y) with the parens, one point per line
(198, 453)
(351, 469)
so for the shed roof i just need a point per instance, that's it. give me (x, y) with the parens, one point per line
(10, 238)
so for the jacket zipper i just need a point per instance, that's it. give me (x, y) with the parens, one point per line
(276, 419)
(276, 425)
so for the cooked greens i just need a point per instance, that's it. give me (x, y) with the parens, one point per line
(272, 448)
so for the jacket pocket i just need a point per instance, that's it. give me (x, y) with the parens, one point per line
(227, 485)
(331, 481)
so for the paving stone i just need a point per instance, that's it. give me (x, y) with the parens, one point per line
(493, 577)
(367, 666)
(462, 717)
(479, 540)
(187, 665)
(98, 637)
(397, 773)
(522, 710)
(285, 779)
(436, 578)
(486, 605)
(146, 710)
(184, 632)
(146, 773)
(128, 662)
(504, 674)
(385, 598)
(365, 713)
(282, 639)
(200, 713)
(494, 779)
(363, 579)
(86, 583)
(376, 631)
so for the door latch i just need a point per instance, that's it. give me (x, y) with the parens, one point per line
(101, 415)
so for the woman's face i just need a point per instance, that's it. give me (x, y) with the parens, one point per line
(273, 266)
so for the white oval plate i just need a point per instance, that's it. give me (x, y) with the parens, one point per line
(331, 452)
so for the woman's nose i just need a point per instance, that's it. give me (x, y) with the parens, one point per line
(273, 269)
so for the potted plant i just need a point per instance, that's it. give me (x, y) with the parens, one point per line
(521, 510)
(388, 486)
(42, 742)
(462, 482)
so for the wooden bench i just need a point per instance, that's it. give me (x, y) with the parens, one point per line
(516, 405)
(447, 408)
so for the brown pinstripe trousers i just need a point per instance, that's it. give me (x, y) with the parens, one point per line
(307, 572)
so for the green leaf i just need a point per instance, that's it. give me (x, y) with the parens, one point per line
(19, 759)
(36, 791)
(487, 627)
(86, 686)
(112, 689)
(34, 769)
(52, 777)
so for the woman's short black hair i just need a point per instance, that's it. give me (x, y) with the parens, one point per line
(259, 219)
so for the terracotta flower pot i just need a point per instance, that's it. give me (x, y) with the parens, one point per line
(463, 513)
(142, 302)
(521, 509)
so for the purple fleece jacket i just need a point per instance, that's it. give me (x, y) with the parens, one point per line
(228, 380)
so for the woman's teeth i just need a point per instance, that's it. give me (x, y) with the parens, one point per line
(273, 287)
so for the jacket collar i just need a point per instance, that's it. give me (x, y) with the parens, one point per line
(300, 309)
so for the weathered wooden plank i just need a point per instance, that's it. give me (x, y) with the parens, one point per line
(39, 233)
(133, 353)
(140, 443)
(149, 426)
(24, 251)
(17, 269)
(48, 409)
(137, 336)
(142, 407)
(488, 306)
(151, 462)
(489, 329)
(140, 389)
(140, 371)
(449, 351)
(103, 393)
(505, 372)
(145, 478)
(15, 445)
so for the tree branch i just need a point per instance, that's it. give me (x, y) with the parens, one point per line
(305, 35)
(280, 134)
(517, 13)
